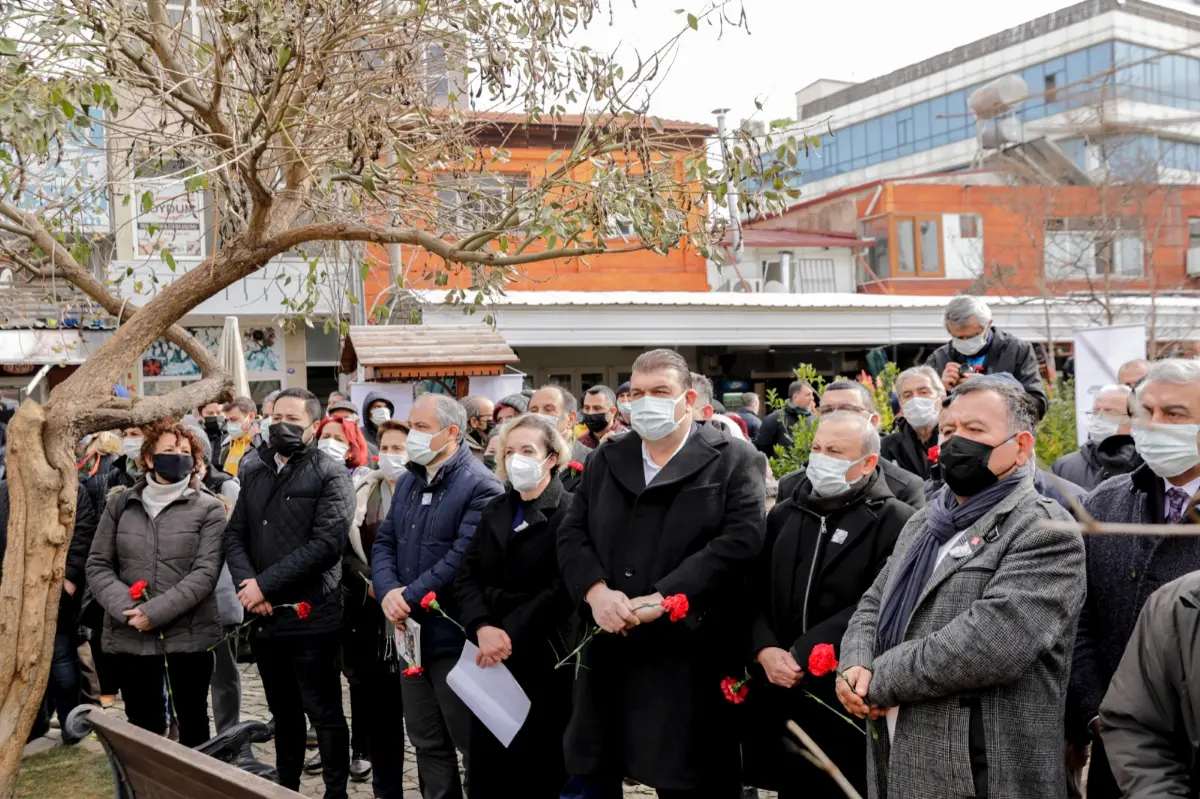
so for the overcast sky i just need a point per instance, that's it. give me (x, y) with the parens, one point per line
(794, 42)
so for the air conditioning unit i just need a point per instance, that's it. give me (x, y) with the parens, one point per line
(1193, 262)
(737, 284)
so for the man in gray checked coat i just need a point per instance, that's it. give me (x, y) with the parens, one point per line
(961, 649)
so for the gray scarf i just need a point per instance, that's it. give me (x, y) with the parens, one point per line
(947, 518)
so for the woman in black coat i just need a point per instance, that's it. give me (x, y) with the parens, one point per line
(512, 601)
(821, 554)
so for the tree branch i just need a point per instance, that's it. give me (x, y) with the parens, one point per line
(115, 412)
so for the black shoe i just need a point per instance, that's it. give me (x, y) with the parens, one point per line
(360, 767)
(247, 762)
(312, 764)
(271, 727)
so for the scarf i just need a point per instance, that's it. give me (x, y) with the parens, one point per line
(156, 495)
(946, 519)
(237, 448)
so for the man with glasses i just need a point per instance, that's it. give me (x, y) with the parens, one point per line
(1109, 450)
(853, 397)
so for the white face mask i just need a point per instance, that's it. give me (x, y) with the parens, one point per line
(921, 411)
(334, 448)
(970, 346)
(1168, 449)
(553, 420)
(380, 415)
(235, 430)
(828, 474)
(1100, 428)
(653, 418)
(418, 447)
(392, 464)
(132, 448)
(625, 408)
(264, 428)
(523, 471)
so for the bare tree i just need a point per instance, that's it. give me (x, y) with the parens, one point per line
(309, 124)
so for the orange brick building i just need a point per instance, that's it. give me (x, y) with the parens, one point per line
(531, 148)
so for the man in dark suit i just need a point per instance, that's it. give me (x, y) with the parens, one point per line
(671, 508)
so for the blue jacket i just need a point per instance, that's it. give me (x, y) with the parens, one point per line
(424, 536)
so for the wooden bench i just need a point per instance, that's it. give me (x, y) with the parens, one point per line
(149, 766)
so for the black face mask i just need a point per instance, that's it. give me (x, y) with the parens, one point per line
(489, 462)
(173, 468)
(597, 423)
(285, 438)
(964, 465)
(214, 424)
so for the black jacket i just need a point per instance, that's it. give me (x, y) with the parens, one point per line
(1150, 717)
(1093, 463)
(118, 476)
(820, 556)
(904, 485)
(288, 531)
(753, 423)
(1004, 353)
(648, 705)
(904, 448)
(369, 428)
(776, 429)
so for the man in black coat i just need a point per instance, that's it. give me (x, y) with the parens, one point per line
(1123, 570)
(1109, 449)
(978, 347)
(671, 508)
(284, 546)
(825, 544)
(776, 429)
(64, 686)
(853, 397)
(915, 430)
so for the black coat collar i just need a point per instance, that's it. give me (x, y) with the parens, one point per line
(704, 444)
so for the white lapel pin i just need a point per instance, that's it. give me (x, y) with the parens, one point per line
(839, 537)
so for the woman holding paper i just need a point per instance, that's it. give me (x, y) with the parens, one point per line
(513, 604)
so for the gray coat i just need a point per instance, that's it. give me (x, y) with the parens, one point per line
(178, 554)
(981, 676)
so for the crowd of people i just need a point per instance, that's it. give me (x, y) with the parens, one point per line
(666, 602)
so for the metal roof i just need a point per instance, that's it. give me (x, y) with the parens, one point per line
(401, 352)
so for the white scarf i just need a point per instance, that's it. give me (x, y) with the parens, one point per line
(156, 495)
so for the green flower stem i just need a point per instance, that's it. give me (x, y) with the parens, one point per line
(167, 674)
(837, 713)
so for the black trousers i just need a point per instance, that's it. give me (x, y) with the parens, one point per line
(376, 703)
(300, 675)
(187, 674)
(610, 788)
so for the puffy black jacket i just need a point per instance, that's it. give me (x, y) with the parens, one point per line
(776, 429)
(904, 448)
(1004, 353)
(1093, 463)
(369, 428)
(288, 531)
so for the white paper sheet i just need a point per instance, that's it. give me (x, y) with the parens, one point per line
(408, 643)
(492, 694)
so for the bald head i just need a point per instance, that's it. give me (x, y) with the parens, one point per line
(1132, 372)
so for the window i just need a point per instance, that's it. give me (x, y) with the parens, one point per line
(1193, 233)
(1078, 248)
(480, 205)
(968, 226)
(1050, 84)
(906, 252)
(919, 246)
(931, 246)
(877, 256)
(437, 74)
(622, 226)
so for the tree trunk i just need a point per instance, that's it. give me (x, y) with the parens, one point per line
(42, 491)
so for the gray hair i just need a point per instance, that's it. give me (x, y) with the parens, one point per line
(1115, 388)
(605, 392)
(749, 400)
(665, 360)
(270, 399)
(552, 440)
(863, 392)
(447, 410)
(927, 372)
(703, 388)
(963, 308)
(1022, 412)
(1175, 371)
(870, 436)
(473, 405)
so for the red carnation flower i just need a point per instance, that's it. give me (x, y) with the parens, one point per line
(303, 609)
(412, 671)
(138, 590)
(822, 660)
(677, 605)
(932, 455)
(575, 466)
(734, 690)
(429, 601)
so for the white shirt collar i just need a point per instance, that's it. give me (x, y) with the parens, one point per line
(650, 469)
(1191, 488)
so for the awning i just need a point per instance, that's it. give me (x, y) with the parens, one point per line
(41, 347)
(405, 352)
(756, 237)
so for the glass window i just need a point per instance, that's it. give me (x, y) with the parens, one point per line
(921, 129)
(878, 255)
(906, 252)
(938, 123)
(1193, 233)
(1050, 87)
(888, 125)
(931, 246)
(956, 113)
(968, 226)
(904, 126)
(874, 128)
(1077, 68)
(1100, 59)
(858, 145)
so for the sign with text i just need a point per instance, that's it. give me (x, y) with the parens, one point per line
(1099, 353)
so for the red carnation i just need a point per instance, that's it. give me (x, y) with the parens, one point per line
(575, 466)
(822, 660)
(932, 455)
(412, 671)
(303, 609)
(735, 690)
(677, 605)
(429, 601)
(138, 590)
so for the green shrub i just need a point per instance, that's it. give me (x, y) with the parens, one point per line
(1056, 435)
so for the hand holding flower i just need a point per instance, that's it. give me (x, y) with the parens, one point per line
(138, 620)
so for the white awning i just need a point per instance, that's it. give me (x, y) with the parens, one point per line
(41, 347)
(650, 319)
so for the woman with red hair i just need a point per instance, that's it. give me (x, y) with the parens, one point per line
(343, 441)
